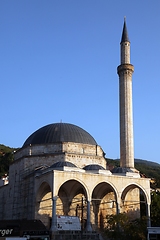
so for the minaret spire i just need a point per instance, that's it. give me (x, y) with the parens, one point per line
(125, 45)
(125, 37)
(125, 71)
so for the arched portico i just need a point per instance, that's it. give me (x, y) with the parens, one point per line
(72, 194)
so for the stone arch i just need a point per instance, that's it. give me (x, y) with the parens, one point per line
(135, 185)
(104, 202)
(40, 184)
(43, 205)
(58, 186)
(134, 199)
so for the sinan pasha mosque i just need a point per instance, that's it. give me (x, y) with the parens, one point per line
(61, 170)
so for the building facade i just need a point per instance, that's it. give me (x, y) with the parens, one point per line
(61, 170)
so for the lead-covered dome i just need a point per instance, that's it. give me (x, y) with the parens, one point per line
(60, 132)
(93, 167)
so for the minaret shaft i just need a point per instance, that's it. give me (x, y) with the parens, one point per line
(126, 119)
(125, 71)
(125, 52)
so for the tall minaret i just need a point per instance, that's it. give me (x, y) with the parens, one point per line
(125, 71)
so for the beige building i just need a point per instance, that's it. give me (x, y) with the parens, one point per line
(61, 170)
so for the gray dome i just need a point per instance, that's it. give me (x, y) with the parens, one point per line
(93, 167)
(59, 132)
(62, 164)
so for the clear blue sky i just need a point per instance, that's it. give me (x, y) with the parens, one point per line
(58, 61)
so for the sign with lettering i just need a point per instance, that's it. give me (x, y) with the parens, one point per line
(6, 232)
(68, 223)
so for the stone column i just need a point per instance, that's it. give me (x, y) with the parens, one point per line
(88, 225)
(54, 219)
(118, 207)
(148, 215)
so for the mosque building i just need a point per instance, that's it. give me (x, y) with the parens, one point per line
(61, 170)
